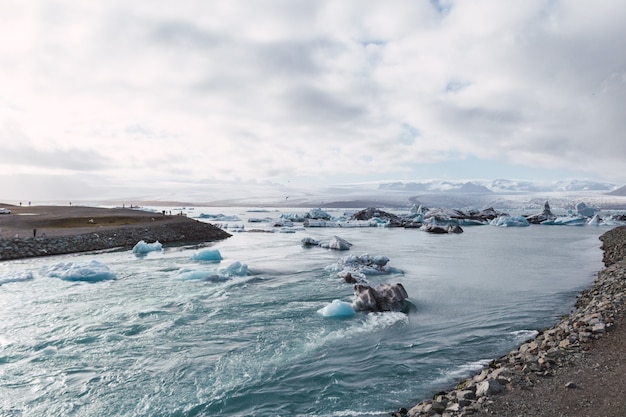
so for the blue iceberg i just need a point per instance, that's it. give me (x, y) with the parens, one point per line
(337, 309)
(142, 247)
(209, 255)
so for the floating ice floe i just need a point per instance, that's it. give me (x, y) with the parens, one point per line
(336, 243)
(354, 268)
(207, 255)
(337, 309)
(312, 214)
(565, 221)
(236, 269)
(510, 221)
(92, 271)
(343, 223)
(219, 217)
(16, 277)
(141, 247)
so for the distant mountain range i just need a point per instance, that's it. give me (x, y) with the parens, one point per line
(500, 193)
(501, 186)
(619, 192)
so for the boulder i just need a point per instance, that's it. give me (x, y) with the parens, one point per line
(383, 297)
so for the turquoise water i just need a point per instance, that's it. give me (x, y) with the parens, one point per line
(151, 344)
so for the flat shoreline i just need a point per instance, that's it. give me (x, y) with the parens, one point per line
(575, 368)
(55, 230)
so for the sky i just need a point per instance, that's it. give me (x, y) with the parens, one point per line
(146, 96)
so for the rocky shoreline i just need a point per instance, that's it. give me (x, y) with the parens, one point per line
(563, 345)
(181, 231)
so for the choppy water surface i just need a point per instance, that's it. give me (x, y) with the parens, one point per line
(151, 344)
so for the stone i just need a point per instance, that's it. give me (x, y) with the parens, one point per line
(488, 387)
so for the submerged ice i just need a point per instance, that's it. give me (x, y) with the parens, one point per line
(236, 269)
(17, 276)
(92, 271)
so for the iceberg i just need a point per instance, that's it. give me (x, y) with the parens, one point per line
(219, 217)
(201, 275)
(510, 221)
(208, 255)
(539, 218)
(336, 243)
(565, 221)
(16, 277)
(141, 247)
(583, 210)
(354, 268)
(337, 309)
(222, 274)
(93, 271)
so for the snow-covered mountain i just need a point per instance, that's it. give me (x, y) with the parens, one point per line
(501, 194)
(498, 186)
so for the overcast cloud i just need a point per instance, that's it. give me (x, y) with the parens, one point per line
(149, 92)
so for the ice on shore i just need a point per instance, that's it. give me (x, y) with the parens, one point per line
(207, 255)
(92, 271)
(141, 247)
(15, 277)
(337, 309)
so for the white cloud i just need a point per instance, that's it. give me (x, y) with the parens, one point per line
(271, 90)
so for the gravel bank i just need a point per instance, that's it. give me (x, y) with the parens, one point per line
(575, 368)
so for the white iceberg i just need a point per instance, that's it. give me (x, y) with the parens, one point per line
(222, 274)
(336, 243)
(337, 309)
(142, 247)
(565, 221)
(92, 271)
(359, 266)
(219, 217)
(510, 221)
